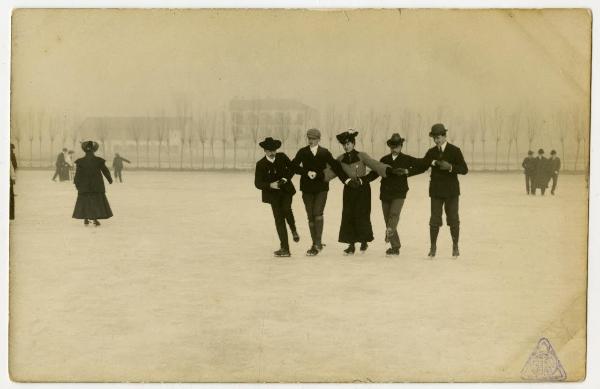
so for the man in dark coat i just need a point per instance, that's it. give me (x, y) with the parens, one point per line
(446, 162)
(541, 174)
(118, 166)
(310, 163)
(62, 167)
(393, 189)
(91, 194)
(273, 177)
(529, 169)
(554, 169)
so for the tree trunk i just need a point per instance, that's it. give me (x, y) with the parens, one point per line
(517, 149)
(212, 155)
(496, 161)
(40, 154)
(508, 155)
(473, 154)
(137, 154)
(562, 143)
(168, 154)
(148, 153)
(51, 148)
(181, 144)
(159, 147)
(223, 154)
(483, 152)
(191, 155)
(234, 153)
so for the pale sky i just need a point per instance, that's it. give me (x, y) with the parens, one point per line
(138, 62)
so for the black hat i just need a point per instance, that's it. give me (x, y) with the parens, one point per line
(12, 146)
(89, 145)
(395, 140)
(347, 136)
(553, 152)
(437, 129)
(65, 149)
(541, 151)
(270, 144)
(530, 152)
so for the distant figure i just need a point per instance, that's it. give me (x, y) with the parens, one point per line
(529, 169)
(92, 203)
(71, 164)
(446, 162)
(13, 180)
(273, 177)
(118, 166)
(540, 175)
(555, 168)
(62, 167)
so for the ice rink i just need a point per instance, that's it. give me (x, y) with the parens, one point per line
(182, 282)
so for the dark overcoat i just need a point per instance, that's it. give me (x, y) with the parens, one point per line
(305, 161)
(443, 183)
(267, 172)
(88, 174)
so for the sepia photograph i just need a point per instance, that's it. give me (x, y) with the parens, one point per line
(299, 195)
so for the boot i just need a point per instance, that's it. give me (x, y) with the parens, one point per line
(433, 234)
(96, 223)
(363, 247)
(455, 232)
(350, 250)
(295, 235)
(282, 253)
(394, 251)
(318, 230)
(313, 235)
(86, 222)
(312, 251)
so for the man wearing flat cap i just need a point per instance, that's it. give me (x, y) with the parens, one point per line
(393, 189)
(310, 162)
(529, 169)
(273, 177)
(446, 162)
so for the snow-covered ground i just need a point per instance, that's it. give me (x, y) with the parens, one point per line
(181, 285)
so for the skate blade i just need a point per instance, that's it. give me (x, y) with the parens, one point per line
(348, 254)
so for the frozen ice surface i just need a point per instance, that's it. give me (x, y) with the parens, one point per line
(181, 284)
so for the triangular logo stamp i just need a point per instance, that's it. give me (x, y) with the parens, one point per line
(543, 364)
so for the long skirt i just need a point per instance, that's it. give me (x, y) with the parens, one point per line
(11, 214)
(63, 173)
(92, 206)
(356, 215)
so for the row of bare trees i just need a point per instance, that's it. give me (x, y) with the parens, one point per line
(193, 131)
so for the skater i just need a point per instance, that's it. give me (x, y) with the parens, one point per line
(393, 190)
(71, 164)
(92, 203)
(446, 162)
(62, 167)
(13, 181)
(118, 166)
(273, 177)
(356, 209)
(529, 168)
(554, 169)
(310, 163)
(541, 175)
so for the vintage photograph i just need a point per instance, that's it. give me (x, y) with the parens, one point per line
(299, 196)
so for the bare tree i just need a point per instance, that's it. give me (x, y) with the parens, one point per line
(16, 130)
(330, 125)
(41, 122)
(237, 129)
(102, 131)
(483, 124)
(136, 133)
(148, 132)
(472, 138)
(30, 136)
(283, 126)
(223, 134)
(254, 126)
(419, 127)
(211, 135)
(561, 123)
(161, 133)
(497, 125)
(578, 124)
(513, 136)
(533, 126)
(182, 110)
(202, 132)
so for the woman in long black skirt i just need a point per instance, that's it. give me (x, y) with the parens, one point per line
(92, 203)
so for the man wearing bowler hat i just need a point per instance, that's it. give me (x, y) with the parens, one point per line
(273, 177)
(446, 162)
(310, 162)
(554, 162)
(529, 168)
(393, 189)
(541, 174)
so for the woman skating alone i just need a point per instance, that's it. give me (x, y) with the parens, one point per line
(92, 203)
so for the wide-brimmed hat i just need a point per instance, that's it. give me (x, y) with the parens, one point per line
(90, 145)
(541, 151)
(437, 129)
(347, 136)
(270, 144)
(395, 141)
(313, 133)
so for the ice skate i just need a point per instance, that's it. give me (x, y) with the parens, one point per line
(96, 223)
(282, 253)
(312, 251)
(455, 252)
(432, 251)
(392, 252)
(350, 250)
(363, 247)
(295, 236)
(320, 247)
(86, 222)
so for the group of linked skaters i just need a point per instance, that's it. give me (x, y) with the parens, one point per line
(316, 167)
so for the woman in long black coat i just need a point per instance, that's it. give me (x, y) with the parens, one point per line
(92, 203)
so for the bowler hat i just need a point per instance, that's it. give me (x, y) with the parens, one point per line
(89, 145)
(347, 136)
(437, 129)
(541, 151)
(313, 133)
(395, 140)
(530, 152)
(270, 144)
(553, 152)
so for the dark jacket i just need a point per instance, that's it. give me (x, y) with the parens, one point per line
(542, 172)
(393, 186)
(88, 174)
(267, 172)
(529, 165)
(118, 162)
(305, 161)
(554, 165)
(60, 160)
(443, 183)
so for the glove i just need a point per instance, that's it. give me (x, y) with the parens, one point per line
(400, 171)
(274, 185)
(444, 165)
(311, 175)
(281, 182)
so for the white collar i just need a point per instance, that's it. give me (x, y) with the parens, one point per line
(270, 159)
(314, 149)
(443, 146)
(394, 156)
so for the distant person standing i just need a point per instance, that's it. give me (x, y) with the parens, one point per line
(118, 166)
(393, 190)
(92, 203)
(71, 164)
(529, 169)
(273, 177)
(555, 168)
(13, 181)
(62, 167)
(541, 174)
(310, 163)
(446, 162)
